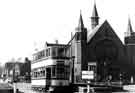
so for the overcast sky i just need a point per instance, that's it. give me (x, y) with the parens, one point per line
(28, 24)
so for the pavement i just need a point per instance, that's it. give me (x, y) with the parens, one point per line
(130, 88)
(26, 88)
(6, 88)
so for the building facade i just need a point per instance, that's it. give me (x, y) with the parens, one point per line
(98, 49)
(18, 71)
(102, 46)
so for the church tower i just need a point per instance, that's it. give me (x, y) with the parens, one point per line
(129, 35)
(80, 41)
(94, 17)
(129, 29)
(130, 43)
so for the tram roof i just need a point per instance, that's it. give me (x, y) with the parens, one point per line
(55, 44)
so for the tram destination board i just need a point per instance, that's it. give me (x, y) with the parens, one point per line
(88, 75)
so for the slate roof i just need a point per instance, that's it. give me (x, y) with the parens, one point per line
(93, 32)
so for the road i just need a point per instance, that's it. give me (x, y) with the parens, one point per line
(26, 88)
(6, 88)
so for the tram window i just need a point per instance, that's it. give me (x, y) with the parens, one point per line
(60, 52)
(48, 51)
(43, 72)
(43, 53)
(36, 74)
(60, 69)
(39, 55)
(53, 71)
(54, 51)
(48, 73)
(67, 70)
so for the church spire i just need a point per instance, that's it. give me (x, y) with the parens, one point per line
(129, 29)
(80, 25)
(94, 17)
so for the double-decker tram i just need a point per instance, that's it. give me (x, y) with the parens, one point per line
(50, 68)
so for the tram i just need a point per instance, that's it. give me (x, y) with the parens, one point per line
(50, 68)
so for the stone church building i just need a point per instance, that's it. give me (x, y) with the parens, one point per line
(101, 46)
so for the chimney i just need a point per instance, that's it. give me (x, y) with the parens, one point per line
(56, 41)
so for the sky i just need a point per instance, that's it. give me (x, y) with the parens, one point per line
(28, 24)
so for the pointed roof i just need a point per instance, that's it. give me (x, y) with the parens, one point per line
(80, 25)
(129, 29)
(105, 30)
(95, 13)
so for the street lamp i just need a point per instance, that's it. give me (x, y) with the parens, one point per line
(73, 59)
(120, 78)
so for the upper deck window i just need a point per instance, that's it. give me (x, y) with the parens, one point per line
(47, 52)
(61, 52)
(39, 55)
(54, 51)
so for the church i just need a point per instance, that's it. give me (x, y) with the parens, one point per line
(102, 48)
(97, 55)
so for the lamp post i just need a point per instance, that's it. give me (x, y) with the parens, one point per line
(73, 59)
(120, 79)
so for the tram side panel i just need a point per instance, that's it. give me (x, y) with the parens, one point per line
(42, 76)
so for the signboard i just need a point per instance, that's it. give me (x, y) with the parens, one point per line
(87, 74)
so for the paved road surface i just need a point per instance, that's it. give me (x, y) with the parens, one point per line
(6, 88)
(26, 88)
